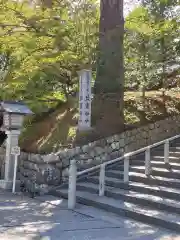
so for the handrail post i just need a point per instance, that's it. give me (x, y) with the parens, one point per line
(72, 185)
(126, 169)
(102, 180)
(166, 152)
(147, 162)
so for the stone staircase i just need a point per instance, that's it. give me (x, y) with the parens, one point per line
(152, 200)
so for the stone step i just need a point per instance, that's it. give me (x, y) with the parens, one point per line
(154, 164)
(152, 200)
(157, 166)
(136, 171)
(167, 192)
(172, 150)
(175, 148)
(137, 177)
(172, 160)
(173, 156)
(174, 165)
(137, 212)
(155, 202)
(174, 153)
(156, 171)
(158, 157)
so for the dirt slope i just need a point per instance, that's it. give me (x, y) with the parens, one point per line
(57, 131)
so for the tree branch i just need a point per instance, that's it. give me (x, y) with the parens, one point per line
(29, 25)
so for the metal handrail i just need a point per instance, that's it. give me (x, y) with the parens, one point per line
(73, 174)
(130, 154)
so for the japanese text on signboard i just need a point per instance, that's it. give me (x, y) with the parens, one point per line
(84, 99)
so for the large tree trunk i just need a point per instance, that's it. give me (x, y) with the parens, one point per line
(107, 106)
(143, 89)
(47, 3)
(163, 58)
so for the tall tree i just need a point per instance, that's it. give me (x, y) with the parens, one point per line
(165, 19)
(152, 37)
(107, 114)
(138, 62)
(45, 47)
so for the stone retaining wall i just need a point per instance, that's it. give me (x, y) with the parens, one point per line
(52, 169)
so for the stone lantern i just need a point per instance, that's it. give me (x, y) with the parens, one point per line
(13, 114)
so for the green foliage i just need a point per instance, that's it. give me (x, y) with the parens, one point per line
(138, 47)
(46, 47)
(151, 44)
(42, 48)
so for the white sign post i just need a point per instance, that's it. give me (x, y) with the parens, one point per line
(85, 77)
(16, 152)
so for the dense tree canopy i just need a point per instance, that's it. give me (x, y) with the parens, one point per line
(152, 45)
(44, 43)
(44, 47)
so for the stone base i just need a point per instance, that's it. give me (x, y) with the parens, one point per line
(7, 185)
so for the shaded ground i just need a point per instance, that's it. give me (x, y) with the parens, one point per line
(58, 130)
(47, 218)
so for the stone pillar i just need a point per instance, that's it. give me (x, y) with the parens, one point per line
(11, 141)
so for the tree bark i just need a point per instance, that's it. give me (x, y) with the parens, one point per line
(144, 75)
(163, 59)
(47, 3)
(107, 106)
